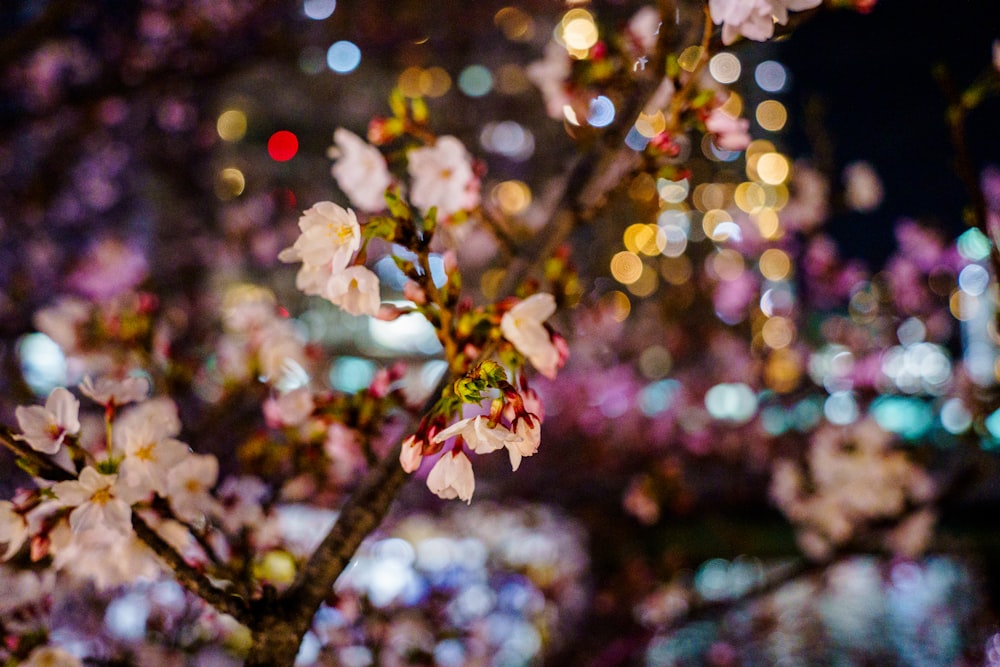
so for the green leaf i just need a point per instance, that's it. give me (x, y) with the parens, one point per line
(380, 227)
(397, 207)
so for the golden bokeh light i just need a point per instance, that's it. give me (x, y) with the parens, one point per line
(783, 371)
(578, 30)
(771, 115)
(646, 284)
(712, 219)
(230, 183)
(512, 197)
(708, 196)
(768, 223)
(434, 82)
(231, 125)
(778, 332)
(773, 168)
(618, 305)
(626, 267)
(650, 125)
(515, 24)
(750, 197)
(775, 264)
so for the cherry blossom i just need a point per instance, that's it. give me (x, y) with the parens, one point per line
(188, 486)
(13, 529)
(360, 170)
(731, 133)
(478, 434)
(550, 75)
(355, 290)
(528, 436)
(330, 236)
(522, 326)
(451, 477)
(411, 454)
(753, 19)
(149, 455)
(112, 393)
(97, 503)
(443, 177)
(45, 428)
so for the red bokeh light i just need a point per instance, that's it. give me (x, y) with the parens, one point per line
(282, 146)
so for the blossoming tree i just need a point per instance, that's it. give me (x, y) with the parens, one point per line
(236, 440)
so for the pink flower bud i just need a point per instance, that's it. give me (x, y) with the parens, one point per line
(415, 293)
(411, 454)
(450, 260)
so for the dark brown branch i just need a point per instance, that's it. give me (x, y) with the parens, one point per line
(188, 576)
(46, 468)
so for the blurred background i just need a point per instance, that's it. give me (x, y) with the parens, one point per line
(155, 156)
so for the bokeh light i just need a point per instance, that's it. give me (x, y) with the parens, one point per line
(771, 115)
(343, 57)
(724, 67)
(318, 10)
(602, 112)
(231, 125)
(771, 76)
(282, 146)
(475, 81)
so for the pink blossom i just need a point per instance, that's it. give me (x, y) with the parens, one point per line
(45, 429)
(731, 133)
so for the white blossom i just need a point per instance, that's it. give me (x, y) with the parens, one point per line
(522, 326)
(478, 434)
(97, 503)
(549, 76)
(109, 391)
(188, 485)
(13, 529)
(754, 19)
(330, 236)
(45, 428)
(443, 177)
(149, 456)
(360, 170)
(528, 437)
(451, 477)
(355, 290)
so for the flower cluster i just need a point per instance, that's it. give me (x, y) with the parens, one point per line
(85, 521)
(515, 416)
(853, 480)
